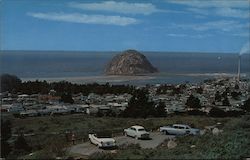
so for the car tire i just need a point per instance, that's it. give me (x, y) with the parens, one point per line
(166, 132)
(90, 141)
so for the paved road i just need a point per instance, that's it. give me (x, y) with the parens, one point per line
(87, 148)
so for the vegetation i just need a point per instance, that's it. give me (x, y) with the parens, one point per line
(217, 112)
(13, 84)
(246, 105)
(193, 102)
(48, 130)
(9, 82)
(160, 110)
(139, 106)
(225, 102)
(5, 136)
(235, 95)
(67, 98)
(217, 96)
(232, 143)
(49, 138)
(21, 147)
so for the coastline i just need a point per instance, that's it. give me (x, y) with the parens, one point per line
(124, 79)
(92, 79)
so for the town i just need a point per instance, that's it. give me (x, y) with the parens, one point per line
(54, 120)
(227, 94)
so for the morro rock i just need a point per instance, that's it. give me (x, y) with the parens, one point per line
(129, 62)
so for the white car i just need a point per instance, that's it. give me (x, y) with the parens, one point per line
(102, 142)
(136, 132)
(179, 129)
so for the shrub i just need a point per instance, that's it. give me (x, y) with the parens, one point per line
(196, 112)
(21, 144)
(139, 105)
(193, 102)
(246, 105)
(217, 112)
(234, 113)
(67, 98)
(9, 82)
(56, 147)
(5, 136)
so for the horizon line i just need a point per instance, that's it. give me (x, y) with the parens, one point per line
(212, 52)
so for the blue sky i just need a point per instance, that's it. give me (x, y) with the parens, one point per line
(150, 25)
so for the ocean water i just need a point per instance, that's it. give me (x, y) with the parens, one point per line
(173, 67)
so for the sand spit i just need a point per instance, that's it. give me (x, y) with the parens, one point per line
(92, 79)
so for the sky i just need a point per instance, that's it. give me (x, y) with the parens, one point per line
(116, 25)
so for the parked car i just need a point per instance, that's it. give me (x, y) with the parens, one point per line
(102, 142)
(179, 129)
(136, 132)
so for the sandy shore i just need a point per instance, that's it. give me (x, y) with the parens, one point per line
(212, 74)
(92, 79)
(124, 79)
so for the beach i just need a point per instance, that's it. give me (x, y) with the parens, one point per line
(92, 79)
(158, 78)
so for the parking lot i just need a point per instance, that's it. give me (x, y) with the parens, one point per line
(87, 148)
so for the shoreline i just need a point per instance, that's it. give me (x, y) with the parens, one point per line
(92, 79)
(120, 78)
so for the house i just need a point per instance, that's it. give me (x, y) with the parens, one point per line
(91, 111)
(45, 110)
(16, 108)
(52, 92)
(94, 109)
(5, 107)
(8, 100)
(77, 108)
(82, 108)
(59, 110)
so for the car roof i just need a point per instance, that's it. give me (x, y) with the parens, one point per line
(137, 127)
(182, 125)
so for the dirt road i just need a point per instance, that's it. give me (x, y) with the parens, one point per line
(87, 148)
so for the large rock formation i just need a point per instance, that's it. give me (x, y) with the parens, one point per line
(129, 62)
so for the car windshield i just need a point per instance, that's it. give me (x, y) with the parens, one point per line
(141, 129)
(102, 135)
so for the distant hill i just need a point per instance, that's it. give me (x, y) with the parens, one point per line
(129, 62)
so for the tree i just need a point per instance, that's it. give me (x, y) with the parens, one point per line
(9, 82)
(246, 105)
(235, 95)
(5, 148)
(5, 135)
(21, 144)
(217, 96)
(226, 92)
(139, 105)
(193, 102)
(199, 90)
(67, 98)
(160, 110)
(217, 112)
(55, 147)
(236, 86)
(225, 102)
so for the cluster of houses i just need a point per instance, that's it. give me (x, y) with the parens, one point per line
(37, 105)
(177, 102)
(24, 105)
